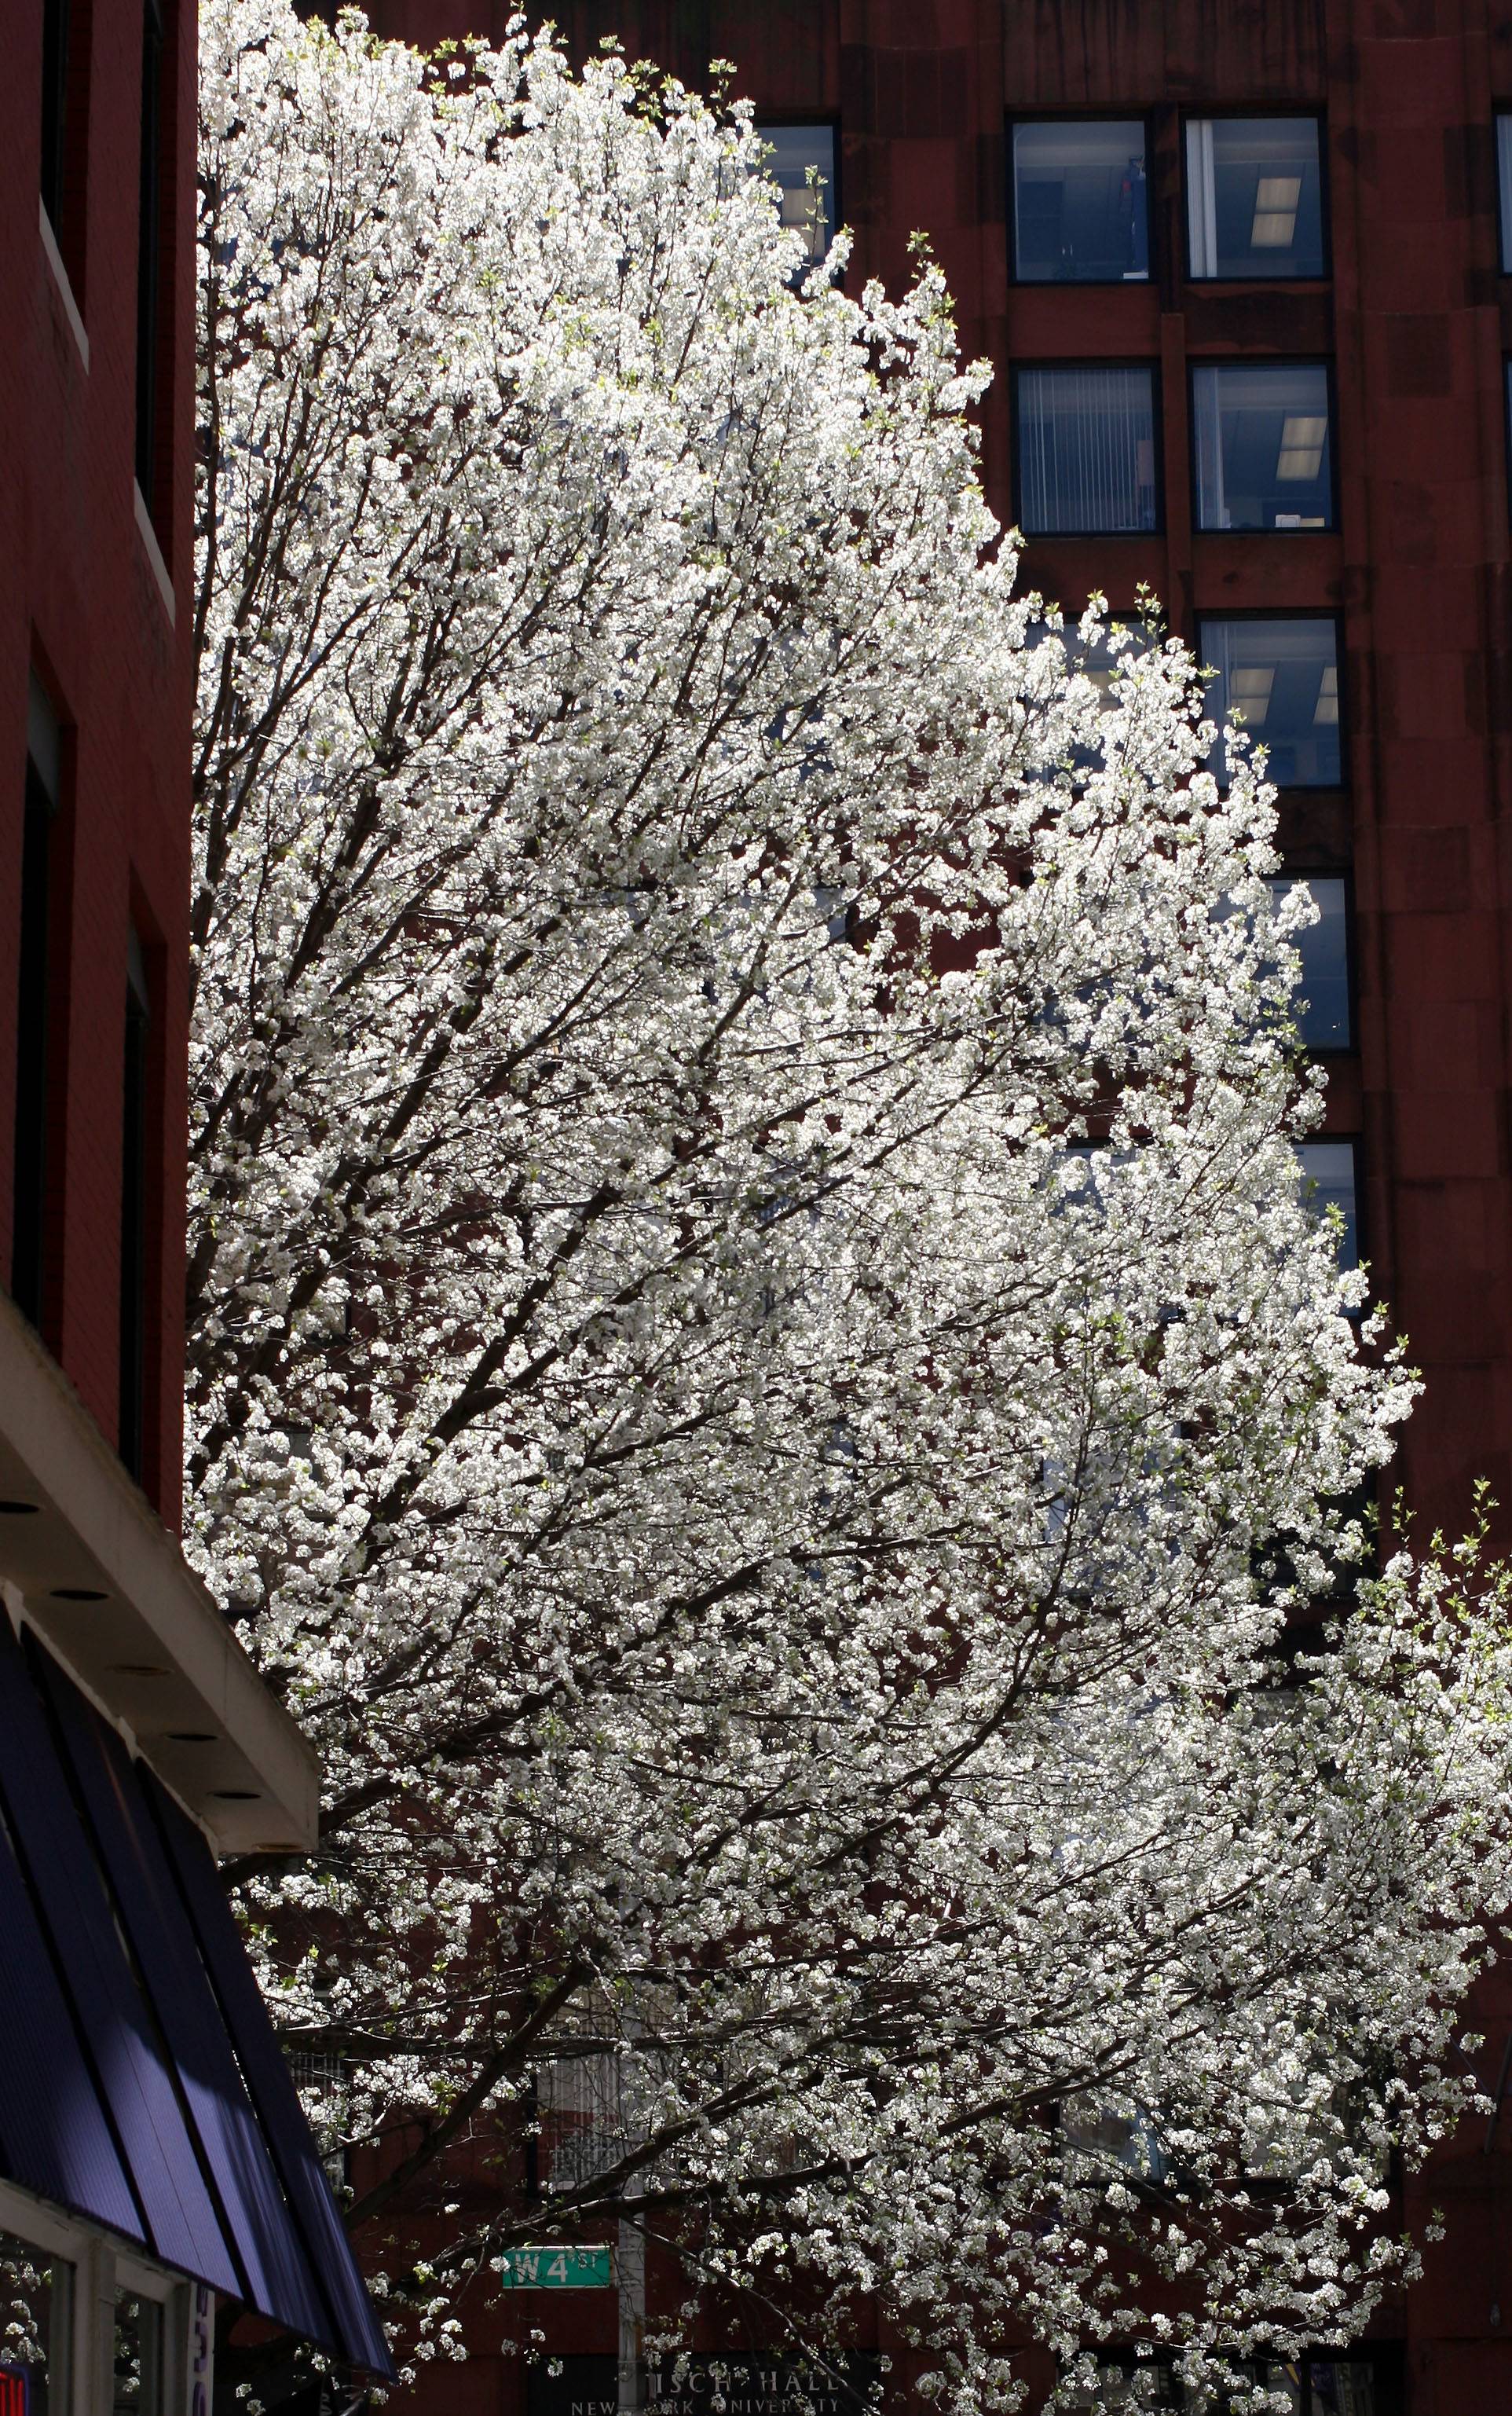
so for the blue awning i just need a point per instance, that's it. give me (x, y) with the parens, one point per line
(143, 2086)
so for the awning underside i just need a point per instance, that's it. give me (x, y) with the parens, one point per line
(141, 2083)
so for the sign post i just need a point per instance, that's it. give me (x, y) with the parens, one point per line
(632, 2313)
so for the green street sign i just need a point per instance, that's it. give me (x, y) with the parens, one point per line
(558, 2269)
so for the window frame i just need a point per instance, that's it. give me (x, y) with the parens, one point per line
(1296, 612)
(1502, 114)
(1021, 368)
(800, 122)
(103, 2265)
(1290, 875)
(1233, 114)
(1201, 361)
(1354, 1143)
(1012, 120)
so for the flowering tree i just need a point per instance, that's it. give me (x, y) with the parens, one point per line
(759, 1376)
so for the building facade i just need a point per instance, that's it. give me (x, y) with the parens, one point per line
(1242, 269)
(154, 2167)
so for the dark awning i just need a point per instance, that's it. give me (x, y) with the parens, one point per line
(142, 2085)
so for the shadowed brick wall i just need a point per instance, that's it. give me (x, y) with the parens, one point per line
(88, 611)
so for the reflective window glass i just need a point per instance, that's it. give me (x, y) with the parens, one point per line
(1503, 172)
(809, 207)
(1327, 1181)
(1321, 1002)
(1110, 2135)
(1080, 214)
(1283, 675)
(1261, 437)
(1310, 2386)
(1127, 2388)
(1254, 197)
(36, 2327)
(138, 2364)
(1086, 450)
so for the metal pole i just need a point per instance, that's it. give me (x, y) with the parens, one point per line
(630, 2276)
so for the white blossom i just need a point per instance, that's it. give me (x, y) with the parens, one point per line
(759, 1378)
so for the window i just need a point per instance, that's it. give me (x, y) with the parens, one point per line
(808, 206)
(131, 1428)
(1086, 450)
(54, 106)
(1110, 2135)
(1323, 1000)
(1080, 212)
(138, 2362)
(28, 1208)
(1282, 676)
(1254, 197)
(1261, 435)
(36, 2327)
(1503, 172)
(1327, 1181)
(149, 248)
(1127, 2388)
(1311, 2386)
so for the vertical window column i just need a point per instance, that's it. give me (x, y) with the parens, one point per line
(29, 1253)
(149, 250)
(54, 107)
(131, 1430)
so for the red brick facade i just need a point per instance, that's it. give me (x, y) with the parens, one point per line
(89, 601)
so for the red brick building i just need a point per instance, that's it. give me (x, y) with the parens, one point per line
(1241, 267)
(153, 2156)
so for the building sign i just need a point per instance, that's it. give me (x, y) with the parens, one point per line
(724, 2383)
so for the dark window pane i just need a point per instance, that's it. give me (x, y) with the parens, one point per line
(1338, 2386)
(138, 2356)
(1327, 1170)
(36, 2325)
(809, 208)
(1503, 172)
(1283, 678)
(1323, 1000)
(1079, 205)
(1254, 197)
(54, 105)
(29, 1222)
(1086, 450)
(1262, 442)
(149, 238)
(1127, 2388)
(133, 1215)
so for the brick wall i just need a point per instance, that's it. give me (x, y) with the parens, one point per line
(83, 608)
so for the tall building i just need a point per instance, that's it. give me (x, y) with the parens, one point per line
(154, 2161)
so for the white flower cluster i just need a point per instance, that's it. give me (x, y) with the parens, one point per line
(759, 1376)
